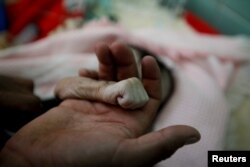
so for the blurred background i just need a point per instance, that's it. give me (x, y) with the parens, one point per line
(25, 21)
(37, 19)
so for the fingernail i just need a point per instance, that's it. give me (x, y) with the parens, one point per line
(191, 140)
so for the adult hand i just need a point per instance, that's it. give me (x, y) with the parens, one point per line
(18, 104)
(93, 134)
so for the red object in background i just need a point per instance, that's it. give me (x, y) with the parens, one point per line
(44, 15)
(51, 18)
(200, 25)
(27, 13)
(16, 8)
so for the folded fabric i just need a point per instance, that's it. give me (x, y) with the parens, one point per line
(202, 67)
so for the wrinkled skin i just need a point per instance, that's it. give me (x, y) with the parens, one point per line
(93, 134)
(128, 93)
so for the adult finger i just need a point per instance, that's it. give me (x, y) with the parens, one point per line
(19, 102)
(151, 79)
(151, 148)
(18, 109)
(88, 73)
(106, 64)
(124, 59)
(16, 84)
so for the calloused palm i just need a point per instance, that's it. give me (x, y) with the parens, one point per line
(93, 134)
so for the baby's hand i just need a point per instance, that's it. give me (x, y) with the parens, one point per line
(129, 93)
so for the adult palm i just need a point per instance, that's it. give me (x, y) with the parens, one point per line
(93, 134)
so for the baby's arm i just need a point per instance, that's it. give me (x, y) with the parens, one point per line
(129, 93)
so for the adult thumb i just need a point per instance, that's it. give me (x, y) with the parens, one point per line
(151, 148)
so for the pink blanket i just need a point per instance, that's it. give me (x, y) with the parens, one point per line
(203, 67)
